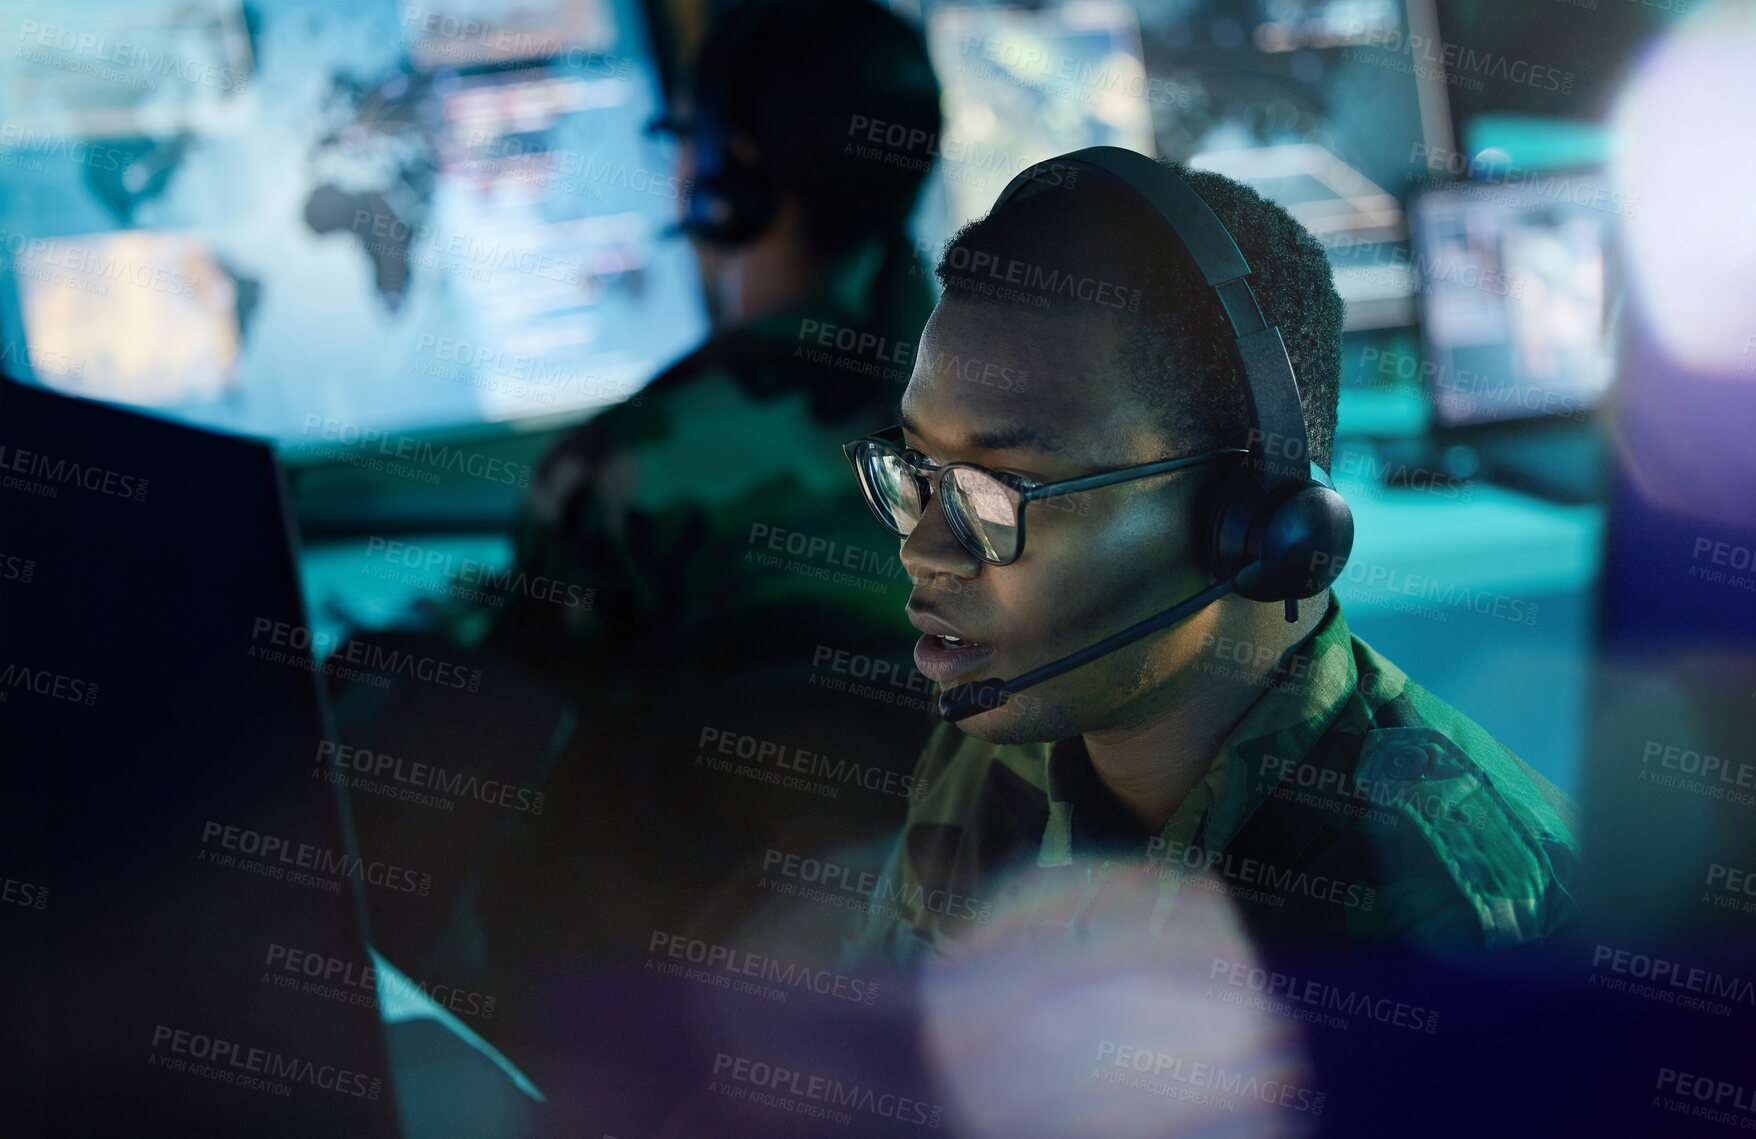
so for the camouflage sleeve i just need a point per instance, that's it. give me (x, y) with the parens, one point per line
(1476, 859)
(883, 938)
(1418, 906)
(571, 563)
(888, 934)
(713, 521)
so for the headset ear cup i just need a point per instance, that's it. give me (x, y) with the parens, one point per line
(731, 205)
(1302, 540)
(1301, 532)
(1231, 505)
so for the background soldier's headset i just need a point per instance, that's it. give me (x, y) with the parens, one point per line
(733, 197)
(1277, 528)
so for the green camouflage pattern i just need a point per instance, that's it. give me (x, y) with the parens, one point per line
(1349, 808)
(710, 524)
(731, 564)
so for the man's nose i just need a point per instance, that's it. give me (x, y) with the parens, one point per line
(932, 548)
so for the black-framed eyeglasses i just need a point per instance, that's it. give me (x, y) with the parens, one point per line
(985, 508)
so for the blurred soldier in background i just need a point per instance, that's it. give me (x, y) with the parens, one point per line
(730, 570)
(668, 508)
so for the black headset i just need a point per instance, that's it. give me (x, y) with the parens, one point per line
(1277, 529)
(732, 200)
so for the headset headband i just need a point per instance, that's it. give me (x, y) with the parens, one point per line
(1282, 452)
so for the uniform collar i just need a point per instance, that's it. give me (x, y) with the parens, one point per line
(1310, 687)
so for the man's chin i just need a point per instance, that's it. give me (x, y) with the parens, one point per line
(1022, 719)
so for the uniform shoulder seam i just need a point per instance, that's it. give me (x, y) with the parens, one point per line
(1429, 780)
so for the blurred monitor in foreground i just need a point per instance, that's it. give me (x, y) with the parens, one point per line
(1518, 309)
(161, 958)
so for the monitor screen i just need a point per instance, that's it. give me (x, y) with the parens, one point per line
(422, 216)
(1518, 308)
(1563, 60)
(1021, 86)
(1285, 96)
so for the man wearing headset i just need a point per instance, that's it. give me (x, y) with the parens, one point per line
(1251, 746)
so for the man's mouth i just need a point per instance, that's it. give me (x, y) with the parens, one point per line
(942, 657)
(944, 651)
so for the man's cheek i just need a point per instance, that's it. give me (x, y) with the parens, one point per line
(1141, 560)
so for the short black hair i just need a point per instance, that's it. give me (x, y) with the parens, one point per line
(1095, 247)
(799, 77)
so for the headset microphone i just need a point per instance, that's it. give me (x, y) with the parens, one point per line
(1275, 529)
(965, 700)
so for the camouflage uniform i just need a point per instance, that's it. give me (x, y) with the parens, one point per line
(708, 518)
(1350, 807)
(727, 551)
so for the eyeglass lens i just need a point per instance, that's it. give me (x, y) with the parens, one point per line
(977, 505)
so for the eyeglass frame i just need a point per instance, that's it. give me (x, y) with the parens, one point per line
(1019, 490)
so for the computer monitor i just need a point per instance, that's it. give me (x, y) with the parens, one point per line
(181, 921)
(1537, 61)
(426, 216)
(1283, 96)
(1024, 85)
(1518, 302)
